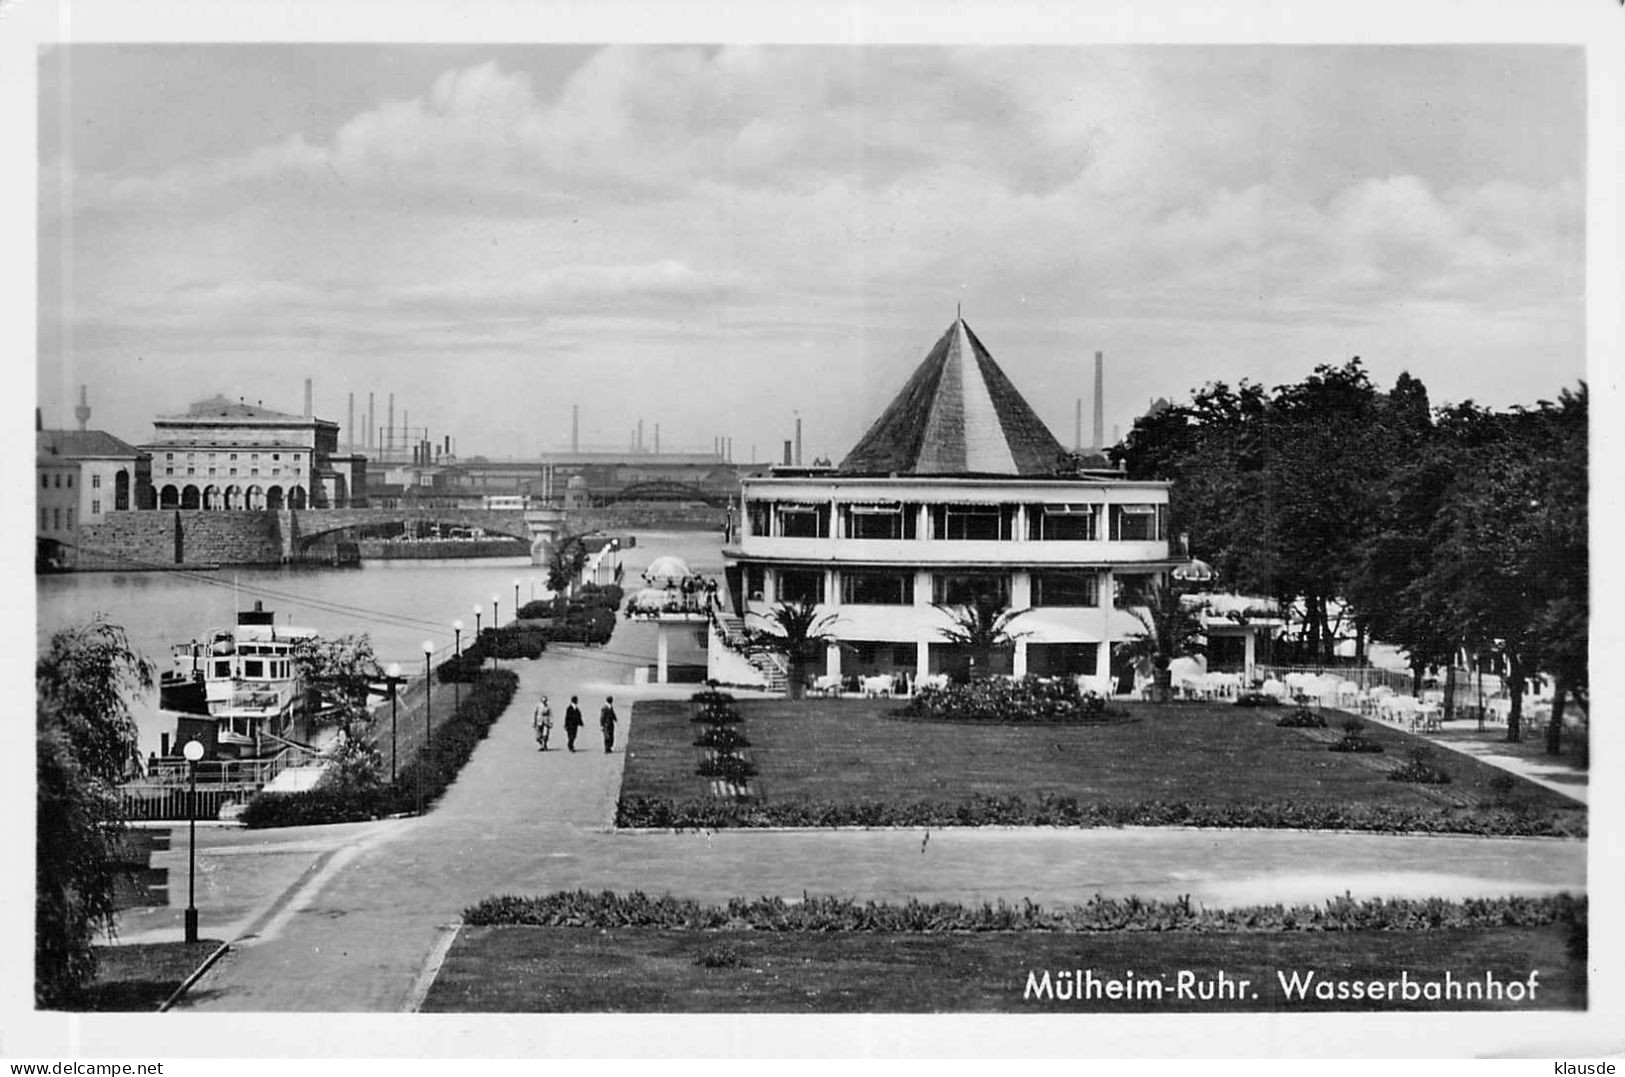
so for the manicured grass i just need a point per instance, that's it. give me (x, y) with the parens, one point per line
(140, 977)
(655, 970)
(848, 750)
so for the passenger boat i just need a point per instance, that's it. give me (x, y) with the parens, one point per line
(238, 690)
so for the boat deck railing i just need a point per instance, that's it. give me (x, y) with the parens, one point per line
(162, 792)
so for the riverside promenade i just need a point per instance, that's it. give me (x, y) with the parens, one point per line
(364, 911)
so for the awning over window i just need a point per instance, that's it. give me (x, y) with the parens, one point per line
(879, 508)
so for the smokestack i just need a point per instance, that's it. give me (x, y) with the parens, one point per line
(639, 445)
(728, 450)
(657, 437)
(1077, 427)
(349, 424)
(308, 411)
(82, 412)
(798, 441)
(372, 421)
(389, 436)
(787, 460)
(575, 428)
(1100, 404)
(1117, 433)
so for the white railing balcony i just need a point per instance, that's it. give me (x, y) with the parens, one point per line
(930, 552)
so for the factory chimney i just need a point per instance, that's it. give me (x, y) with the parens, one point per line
(657, 438)
(640, 436)
(82, 412)
(372, 419)
(787, 450)
(1077, 427)
(1100, 405)
(575, 428)
(308, 411)
(349, 425)
(389, 435)
(798, 441)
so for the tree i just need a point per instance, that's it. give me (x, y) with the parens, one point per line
(86, 742)
(1172, 629)
(799, 632)
(339, 672)
(981, 626)
(565, 561)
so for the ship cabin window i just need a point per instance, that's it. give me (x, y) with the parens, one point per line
(754, 576)
(759, 517)
(875, 588)
(1066, 589)
(885, 521)
(1062, 523)
(1139, 523)
(222, 669)
(254, 668)
(800, 585)
(803, 521)
(965, 590)
(972, 522)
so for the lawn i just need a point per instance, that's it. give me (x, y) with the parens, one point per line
(656, 970)
(141, 977)
(851, 750)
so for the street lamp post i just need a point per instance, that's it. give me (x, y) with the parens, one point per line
(393, 678)
(457, 679)
(496, 611)
(477, 610)
(516, 599)
(428, 723)
(193, 752)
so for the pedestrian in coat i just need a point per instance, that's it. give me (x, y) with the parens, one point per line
(572, 723)
(542, 722)
(606, 722)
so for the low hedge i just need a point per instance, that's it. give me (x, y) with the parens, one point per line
(1257, 699)
(463, 670)
(1010, 701)
(664, 813)
(513, 641)
(583, 624)
(439, 762)
(1302, 718)
(608, 910)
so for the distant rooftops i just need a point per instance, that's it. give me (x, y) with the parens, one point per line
(219, 407)
(82, 444)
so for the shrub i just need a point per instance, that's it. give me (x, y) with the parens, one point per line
(462, 670)
(438, 763)
(1030, 699)
(1256, 699)
(726, 765)
(607, 597)
(1353, 727)
(1302, 718)
(514, 641)
(721, 737)
(609, 910)
(1420, 770)
(1357, 744)
(720, 957)
(537, 610)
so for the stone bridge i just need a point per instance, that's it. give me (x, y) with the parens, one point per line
(537, 527)
(667, 490)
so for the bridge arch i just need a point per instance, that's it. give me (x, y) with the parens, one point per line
(666, 490)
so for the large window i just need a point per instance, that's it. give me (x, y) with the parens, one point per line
(802, 521)
(1133, 589)
(1139, 523)
(876, 588)
(754, 575)
(892, 521)
(800, 585)
(972, 522)
(965, 589)
(1076, 523)
(1066, 589)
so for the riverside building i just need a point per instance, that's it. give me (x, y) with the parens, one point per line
(958, 489)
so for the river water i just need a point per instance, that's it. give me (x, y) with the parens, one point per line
(398, 604)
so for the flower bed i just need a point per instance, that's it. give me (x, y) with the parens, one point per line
(609, 910)
(438, 764)
(712, 814)
(1302, 718)
(1023, 700)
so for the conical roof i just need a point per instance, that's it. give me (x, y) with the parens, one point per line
(958, 414)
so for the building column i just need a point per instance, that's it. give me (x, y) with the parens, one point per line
(661, 649)
(922, 659)
(1019, 667)
(832, 660)
(1103, 657)
(1250, 635)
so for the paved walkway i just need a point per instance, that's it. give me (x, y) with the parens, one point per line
(360, 912)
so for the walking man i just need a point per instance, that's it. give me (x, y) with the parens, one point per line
(606, 720)
(572, 723)
(542, 721)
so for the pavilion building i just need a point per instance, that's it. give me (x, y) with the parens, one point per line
(957, 490)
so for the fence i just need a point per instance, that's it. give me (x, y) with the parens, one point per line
(162, 793)
(148, 801)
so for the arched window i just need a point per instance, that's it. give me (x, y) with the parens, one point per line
(211, 498)
(121, 491)
(255, 498)
(169, 498)
(233, 498)
(273, 499)
(190, 498)
(296, 497)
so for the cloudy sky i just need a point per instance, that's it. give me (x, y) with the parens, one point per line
(716, 239)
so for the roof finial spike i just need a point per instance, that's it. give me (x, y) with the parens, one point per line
(959, 312)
